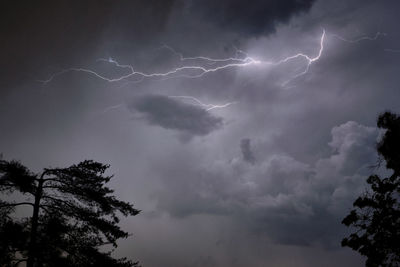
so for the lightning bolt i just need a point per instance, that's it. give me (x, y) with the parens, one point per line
(207, 107)
(362, 38)
(195, 65)
(132, 72)
(310, 60)
(112, 108)
(198, 66)
(212, 60)
(193, 100)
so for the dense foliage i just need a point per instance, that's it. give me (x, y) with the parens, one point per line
(376, 214)
(73, 216)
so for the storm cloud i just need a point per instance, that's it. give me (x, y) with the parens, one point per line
(76, 30)
(290, 201)
(240, 185)
(176, 115)
(247, 154)
(249, 18)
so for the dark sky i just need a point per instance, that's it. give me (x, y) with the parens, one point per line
(264, 178)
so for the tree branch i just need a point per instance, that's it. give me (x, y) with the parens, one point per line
(19, 261)
(15, 204)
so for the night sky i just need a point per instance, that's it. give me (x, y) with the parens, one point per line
(243, 130)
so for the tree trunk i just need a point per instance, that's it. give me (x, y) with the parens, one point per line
(32, 249)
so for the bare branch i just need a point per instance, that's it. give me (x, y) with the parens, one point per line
(15, 204)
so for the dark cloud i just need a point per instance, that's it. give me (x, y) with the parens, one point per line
(46, 33)
(247, 154)
(173, 114)
(249, 17)
(312, 140)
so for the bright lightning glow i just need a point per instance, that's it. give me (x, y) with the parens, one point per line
(310, 60)
(196, 64)
(200, 69)
(207, 107)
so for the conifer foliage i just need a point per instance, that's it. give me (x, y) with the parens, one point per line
(73, 216)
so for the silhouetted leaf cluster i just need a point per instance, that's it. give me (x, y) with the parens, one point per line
(74, 216)
(376, 217)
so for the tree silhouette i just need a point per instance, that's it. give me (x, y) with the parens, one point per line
(74, 215)
(376, 216)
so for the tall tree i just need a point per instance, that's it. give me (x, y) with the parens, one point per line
(74, 216)
(376, 213)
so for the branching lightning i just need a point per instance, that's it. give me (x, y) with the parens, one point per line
(363, 38)
(200, 69)
(207, 107)
(212, 60)
(196, 66)
(310, 60)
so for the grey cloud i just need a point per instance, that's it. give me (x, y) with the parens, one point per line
(348, 141)
(247, 153)
(47, 33)
(249, 18)
(307, 172)
(290, 201)
(176, 115)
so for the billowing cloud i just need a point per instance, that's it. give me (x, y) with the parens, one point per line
(176, 115)
(290, 201)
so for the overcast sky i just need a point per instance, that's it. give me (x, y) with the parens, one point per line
(262, 179)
